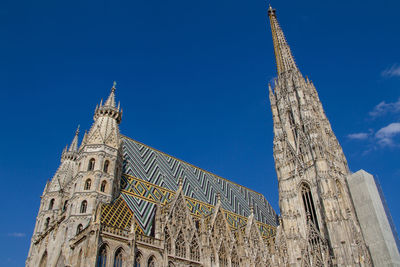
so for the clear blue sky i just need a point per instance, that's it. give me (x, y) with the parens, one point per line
(192, 79)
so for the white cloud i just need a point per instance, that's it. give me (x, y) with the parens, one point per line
(393, 71)
(358, 136)
(383, 108)
(17, 234)
(386, 134)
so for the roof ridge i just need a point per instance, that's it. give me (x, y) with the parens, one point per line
(196, 167)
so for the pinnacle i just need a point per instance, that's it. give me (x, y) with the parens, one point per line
(74, 144)
(111, 99)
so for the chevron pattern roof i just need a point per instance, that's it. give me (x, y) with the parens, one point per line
(150, 165)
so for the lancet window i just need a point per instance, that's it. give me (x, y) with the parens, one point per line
(118, 260)
(46, 224)
(65, 205)
(105, 167)
(43, 261)
(91, 164)
(138, 259)
(167, 241)
(79, 228)
(151, 262)
(180, 246)
(308, 203)
(83, 206)
(194, 250)
(102, 258)
(51, 204)
(223, 259)
(103, 186)
(88, 183)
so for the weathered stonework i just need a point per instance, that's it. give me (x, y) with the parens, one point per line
(94, 214)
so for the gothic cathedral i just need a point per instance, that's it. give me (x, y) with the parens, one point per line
(115, 202)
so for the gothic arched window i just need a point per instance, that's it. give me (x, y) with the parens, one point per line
(102, 257)
(194, 250)
(180, 246)
(118, 258)
(167, 239)
(88, 183)
(46, 223)
(105, 167)
(83, 206)
(103, 186)
(51, 204)
(223, 259)
(151, 262)
(91, 164)
(79, 229)
(138, 259)
(308, 202)
(65, 205)
(43, 261)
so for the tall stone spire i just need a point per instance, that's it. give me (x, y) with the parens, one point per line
(284, 58)
(312, 171)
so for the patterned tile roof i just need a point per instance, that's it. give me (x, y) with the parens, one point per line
(151, 176)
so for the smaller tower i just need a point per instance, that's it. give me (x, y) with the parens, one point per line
(99, 163)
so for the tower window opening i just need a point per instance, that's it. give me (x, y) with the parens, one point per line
(106, 164)
(83, 206)
(79, 229)
(103, 186)
(88, 183)
(46, 223)
(51, 204)
(309, 206)
(65, 205)
(91, 164)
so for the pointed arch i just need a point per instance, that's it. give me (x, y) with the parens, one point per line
(106, 165)
(51, 204)
(103, 186)
(308, 203)
(194, 249)
(46, 223)
(91, 164)
(83, 206)
(180, 245)
(43, 261)
(222, 256)
(151, 262)
(79, 228)
(118, 257)
(102, 256)
(167, 238)
(88, 184)
(138, 259)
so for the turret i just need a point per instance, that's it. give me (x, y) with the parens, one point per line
(99, 162)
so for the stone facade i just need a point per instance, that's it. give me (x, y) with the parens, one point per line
(98, 210)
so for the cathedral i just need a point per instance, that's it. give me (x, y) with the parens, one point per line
(115, 202)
